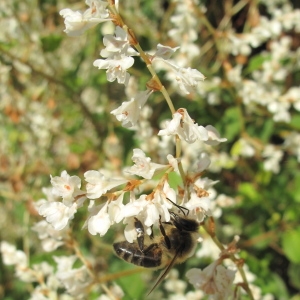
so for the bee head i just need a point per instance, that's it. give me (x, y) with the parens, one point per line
(183, 223)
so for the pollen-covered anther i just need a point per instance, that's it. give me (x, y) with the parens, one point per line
(200, 192)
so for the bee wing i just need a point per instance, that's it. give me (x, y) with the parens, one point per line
(166, 271)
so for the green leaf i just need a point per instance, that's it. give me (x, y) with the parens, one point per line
(232, 123)
(294, 275)
(174, 180)
(256, 62)
(249, 191)
(291, 244)
(51, 42)
(295, 122)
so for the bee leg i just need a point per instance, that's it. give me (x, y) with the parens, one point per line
(163, 232)
(140, 233)
(151, 248)
(151, 235)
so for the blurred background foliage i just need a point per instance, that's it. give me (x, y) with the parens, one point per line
(55, 115)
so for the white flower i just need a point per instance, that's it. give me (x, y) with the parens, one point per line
(130, 233)
(188, 79)
(208, 250)
(152, 211)
(129, 112)
(12, 256)
(198, 206)
(175, 285)
(115, 209)
(213, 136)
(168, 194)
(64, 263)
(272, 157)
(48, 192)
(205, 183)
(75, 281)
(143, 166)
(135, 206)
(243, 148)
(185, 127)
(99, 223)
(148, 211)
(51, 239)
(118, 56)
(57, 213)
(203, 162)
(131, 210)
(98, 184)
(213, 280)
(117, 44)
(164, 52)
(173, 162)
(159, 206)
(116, 68)
(77, 22)
(67, 187)
(280, 111)
(293, 95)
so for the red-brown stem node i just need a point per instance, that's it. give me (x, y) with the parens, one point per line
(117, 20)
(154, 85)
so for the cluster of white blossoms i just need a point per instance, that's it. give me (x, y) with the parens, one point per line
(48, 281)
(114, 199)
(78, 22)
(146, 190)
(261, 80)
(66, 197)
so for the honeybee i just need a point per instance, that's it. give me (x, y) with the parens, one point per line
(177, 243)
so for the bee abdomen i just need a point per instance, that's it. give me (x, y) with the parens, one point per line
(130, 252)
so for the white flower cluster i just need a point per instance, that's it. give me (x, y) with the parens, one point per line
(214, 280)
(261, 83)
(48, 281)
(78, 22)
(115, 199)
(66, 198)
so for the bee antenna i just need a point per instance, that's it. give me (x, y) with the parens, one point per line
(184, 210)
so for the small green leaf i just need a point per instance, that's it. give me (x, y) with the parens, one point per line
(232, 123)
(174, 180)
(256, 62)
(51, 43)
(249, 191)
(295, 122)
(291, 244)
(294, 275)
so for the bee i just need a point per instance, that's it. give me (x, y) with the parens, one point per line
(177, 243)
